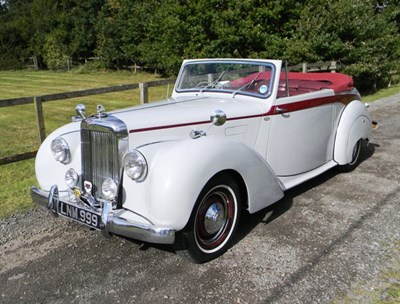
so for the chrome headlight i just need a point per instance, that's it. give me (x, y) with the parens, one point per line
(135, 165)
(60, 150)
(109, 189)
(71, 178)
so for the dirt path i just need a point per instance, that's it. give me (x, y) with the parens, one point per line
(333, 235)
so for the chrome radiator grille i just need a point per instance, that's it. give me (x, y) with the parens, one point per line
(99, 158)
(104, 142)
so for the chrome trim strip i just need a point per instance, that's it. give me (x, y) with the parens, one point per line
(111, 221)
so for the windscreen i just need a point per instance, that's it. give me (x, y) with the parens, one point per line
(231, 77)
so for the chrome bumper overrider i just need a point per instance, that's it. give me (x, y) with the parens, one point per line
(110, 222)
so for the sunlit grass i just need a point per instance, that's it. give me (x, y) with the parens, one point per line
(18, 124)
(15, 182)
(393, 89)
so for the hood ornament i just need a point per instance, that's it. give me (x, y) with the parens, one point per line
(80, 113)
(101, 112)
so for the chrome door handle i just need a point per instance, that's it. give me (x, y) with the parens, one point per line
(280, 110)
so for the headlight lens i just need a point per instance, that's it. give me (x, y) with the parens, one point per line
(109, 189)
(135, 165)
(71, 178)
(60, 150)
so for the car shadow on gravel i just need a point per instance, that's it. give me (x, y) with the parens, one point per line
(267, 215)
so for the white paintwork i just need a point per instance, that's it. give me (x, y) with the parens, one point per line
(269, 153)
(301, 141)
(180, 169)
(354, 124)
(50, 172)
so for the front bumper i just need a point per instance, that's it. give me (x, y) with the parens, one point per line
(111, 220)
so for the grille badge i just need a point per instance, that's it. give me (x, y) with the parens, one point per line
(88, 187)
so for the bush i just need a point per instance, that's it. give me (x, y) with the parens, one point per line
(54, 57)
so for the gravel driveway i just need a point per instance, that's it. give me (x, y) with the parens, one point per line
(329, 240)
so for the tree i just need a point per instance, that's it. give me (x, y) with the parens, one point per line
(15, 32)
(64, 29)
(363, 35)
(121, 26)
(353, 33)
(217, 28)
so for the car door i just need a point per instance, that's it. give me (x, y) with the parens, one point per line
(301, 134)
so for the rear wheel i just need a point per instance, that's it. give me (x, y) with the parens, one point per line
(213, 221)
(355, 158)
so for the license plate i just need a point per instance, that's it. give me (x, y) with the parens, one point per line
(80, 215)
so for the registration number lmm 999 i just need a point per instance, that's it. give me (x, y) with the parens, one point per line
(80, 215)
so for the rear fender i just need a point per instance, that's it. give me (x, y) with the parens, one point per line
(354, 124)
(178, 171)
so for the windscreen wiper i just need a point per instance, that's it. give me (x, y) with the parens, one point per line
(247, 85)
(212, 84)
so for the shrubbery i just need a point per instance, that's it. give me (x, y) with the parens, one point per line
(362, 35)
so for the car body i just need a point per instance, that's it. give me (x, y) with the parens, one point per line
(236, 134)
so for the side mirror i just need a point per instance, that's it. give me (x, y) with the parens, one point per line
(218, 118)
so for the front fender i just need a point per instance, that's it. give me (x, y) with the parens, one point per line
(354, 124)
(48, 171)
(178, 171)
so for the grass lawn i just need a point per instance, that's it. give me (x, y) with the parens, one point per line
(18, 123)
(393, 89)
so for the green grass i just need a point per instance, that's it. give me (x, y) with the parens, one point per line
(15, 182)
(393, 89)
(57, 113)
(18, 123)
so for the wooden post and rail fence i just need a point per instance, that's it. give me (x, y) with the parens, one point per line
(38, 101)
(143, 89)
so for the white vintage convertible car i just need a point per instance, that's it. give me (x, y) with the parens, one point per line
(235, 135)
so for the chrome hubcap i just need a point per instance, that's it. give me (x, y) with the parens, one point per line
(214, 218)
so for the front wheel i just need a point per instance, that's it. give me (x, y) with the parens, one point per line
(213, 221)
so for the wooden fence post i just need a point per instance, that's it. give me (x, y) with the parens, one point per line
(333, 66)
(40, 118)
(144, 92)
(304, 67)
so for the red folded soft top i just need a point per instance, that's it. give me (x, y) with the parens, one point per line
(300, 83)
(317, 81)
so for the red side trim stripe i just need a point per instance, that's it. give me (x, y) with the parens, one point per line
(312, 103)
(289, 107)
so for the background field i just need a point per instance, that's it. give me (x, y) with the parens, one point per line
(19, 132)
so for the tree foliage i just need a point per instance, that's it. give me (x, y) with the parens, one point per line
(15, 32)
(364, 40)
(363, 35)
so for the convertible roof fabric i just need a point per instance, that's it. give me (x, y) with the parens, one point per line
(317, 81)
